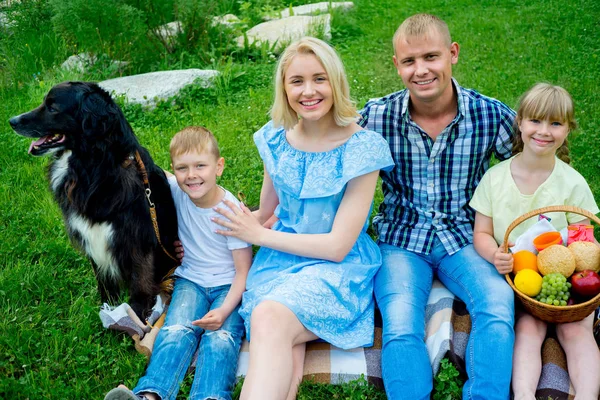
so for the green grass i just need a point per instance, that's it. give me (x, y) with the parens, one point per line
(52, 344)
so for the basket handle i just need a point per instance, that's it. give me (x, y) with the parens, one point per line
(533, 213)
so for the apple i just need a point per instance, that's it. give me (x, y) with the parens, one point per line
(586, 283)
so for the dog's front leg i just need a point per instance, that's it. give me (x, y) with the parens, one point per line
(107, 287)
(142, 288)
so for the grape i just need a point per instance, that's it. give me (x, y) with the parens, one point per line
(555, 290)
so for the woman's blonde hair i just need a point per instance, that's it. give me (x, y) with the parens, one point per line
(344, 109)
(545, 102)
(194, 138)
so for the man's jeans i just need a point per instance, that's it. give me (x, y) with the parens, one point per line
(178, 339)
(402, 288)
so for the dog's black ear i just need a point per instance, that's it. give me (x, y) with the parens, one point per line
(97, 111)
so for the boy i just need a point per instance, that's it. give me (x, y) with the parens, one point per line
(441, 137)
(208, 286)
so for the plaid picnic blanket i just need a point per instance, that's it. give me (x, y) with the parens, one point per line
(447, 331)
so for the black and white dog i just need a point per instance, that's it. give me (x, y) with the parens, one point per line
(99, 188)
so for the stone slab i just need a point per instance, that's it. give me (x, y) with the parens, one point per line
(147, 89)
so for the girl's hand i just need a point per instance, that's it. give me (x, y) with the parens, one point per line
(503, 261)
(212, 321)
(242, 223)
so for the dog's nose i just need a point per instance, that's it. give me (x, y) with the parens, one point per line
(13, 121)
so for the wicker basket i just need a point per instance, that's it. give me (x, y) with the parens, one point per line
(545, 312)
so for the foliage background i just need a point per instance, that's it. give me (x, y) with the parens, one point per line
(52, 344)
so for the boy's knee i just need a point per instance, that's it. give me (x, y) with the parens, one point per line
(221, 338)
(178, 329)
(178, 334)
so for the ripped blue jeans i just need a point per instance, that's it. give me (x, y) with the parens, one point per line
(178, 340)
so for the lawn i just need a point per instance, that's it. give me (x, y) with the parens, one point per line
(52, 344)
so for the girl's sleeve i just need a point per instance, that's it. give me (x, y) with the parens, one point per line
(582, 197)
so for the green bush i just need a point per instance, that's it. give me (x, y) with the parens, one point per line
(156, 12)
(100, 27)
(28, 44)
(199, 36)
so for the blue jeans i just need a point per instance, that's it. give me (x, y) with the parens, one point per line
(402, 287)
(178, 340)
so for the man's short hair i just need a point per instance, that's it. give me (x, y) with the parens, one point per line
(194, 138)
(422, 25)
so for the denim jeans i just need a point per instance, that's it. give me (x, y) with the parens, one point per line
(402, 287)
(178, 340)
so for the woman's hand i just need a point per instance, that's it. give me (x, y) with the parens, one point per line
(503, 261)
(212, 321)
(242, 223)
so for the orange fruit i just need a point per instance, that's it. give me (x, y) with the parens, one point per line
(524, 259)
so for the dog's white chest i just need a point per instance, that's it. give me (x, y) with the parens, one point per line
(96, 240)
(59, 170)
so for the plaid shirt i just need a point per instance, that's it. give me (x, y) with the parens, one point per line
(428, 191)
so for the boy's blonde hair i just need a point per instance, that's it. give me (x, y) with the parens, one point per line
(194, 138)
(344, 109)
(545, 102)
(420, 25)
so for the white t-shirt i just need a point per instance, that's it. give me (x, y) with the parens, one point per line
(208, 260)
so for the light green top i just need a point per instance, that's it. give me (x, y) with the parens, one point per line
(498, 197)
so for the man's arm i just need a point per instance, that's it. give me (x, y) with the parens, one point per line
(364, 115)
(504, 137)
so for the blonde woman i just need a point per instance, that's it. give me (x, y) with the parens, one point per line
(313, 276)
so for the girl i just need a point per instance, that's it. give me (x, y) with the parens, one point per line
(538, 175)
(313, 276)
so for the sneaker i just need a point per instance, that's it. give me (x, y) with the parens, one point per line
(121, 393)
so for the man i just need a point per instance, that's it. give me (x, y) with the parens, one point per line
(441, 137)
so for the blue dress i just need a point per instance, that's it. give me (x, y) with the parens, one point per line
(332, 300)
